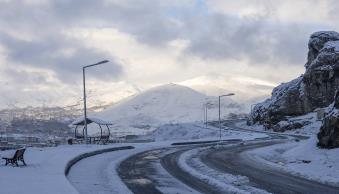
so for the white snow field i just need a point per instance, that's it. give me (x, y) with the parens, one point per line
(197, 131)
(45, 170)
(303, 159)
(166, 104)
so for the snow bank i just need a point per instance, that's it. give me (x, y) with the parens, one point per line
(302, 159)
(45, 170)
(194, 131)
(311, 127)
(189, 161)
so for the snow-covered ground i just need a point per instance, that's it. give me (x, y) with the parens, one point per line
(302, 158)
(312, 128)
(45, 170)
(98, 173)
(197, 131)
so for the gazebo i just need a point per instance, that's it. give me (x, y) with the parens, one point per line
(103, 137)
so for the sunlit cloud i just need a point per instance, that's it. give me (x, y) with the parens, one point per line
(257, 44)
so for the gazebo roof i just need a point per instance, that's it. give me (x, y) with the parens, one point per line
(81, 121)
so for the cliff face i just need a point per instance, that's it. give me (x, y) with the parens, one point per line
(321, 78)
(315, 89)
(329, 131)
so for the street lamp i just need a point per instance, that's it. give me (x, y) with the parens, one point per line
(84, 82)
(206, 113)
(230, 94)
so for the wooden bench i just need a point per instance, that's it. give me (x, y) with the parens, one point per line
(18, 156)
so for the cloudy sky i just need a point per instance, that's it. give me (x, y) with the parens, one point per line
(213, 45)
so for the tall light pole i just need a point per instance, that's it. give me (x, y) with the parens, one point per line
(84, 82)
(206, 113)
(206, 117)
(230, 94)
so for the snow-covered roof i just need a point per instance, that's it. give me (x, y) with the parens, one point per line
(81, 121)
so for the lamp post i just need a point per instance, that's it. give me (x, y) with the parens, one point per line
(206, 107)
(84, 83)
(230, 94)
(206, 113)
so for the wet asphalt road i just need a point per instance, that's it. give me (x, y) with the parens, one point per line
(231, 160)
(225, 160)
(138, 172)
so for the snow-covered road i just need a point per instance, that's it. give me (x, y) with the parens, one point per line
(97, 174)
(232, 160)
(192, 168)
(211, 169)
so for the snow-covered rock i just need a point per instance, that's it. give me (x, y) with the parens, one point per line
(329, 131)
(317, 42)
(286, 100)
(314, 89)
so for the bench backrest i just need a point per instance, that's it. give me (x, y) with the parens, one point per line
(19, 153)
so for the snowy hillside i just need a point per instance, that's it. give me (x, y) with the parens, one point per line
(165, 104)
(248, 89)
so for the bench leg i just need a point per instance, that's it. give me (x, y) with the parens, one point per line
(23, 161)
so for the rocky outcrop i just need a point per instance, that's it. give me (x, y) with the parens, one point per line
(329, 131)
(286, 100)
(314, 89)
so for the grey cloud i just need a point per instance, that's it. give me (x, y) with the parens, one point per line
(211, 35)
(253, 39)
(43, 55)
(147, 23)
(23, 77)
(46, 23)
(147, 20)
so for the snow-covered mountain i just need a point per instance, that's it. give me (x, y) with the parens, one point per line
(165, 104)
(248, 89)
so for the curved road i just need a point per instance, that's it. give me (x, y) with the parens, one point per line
(231, 160)
(225, 160)
(158, 171)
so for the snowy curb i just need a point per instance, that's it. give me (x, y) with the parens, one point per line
(205, 142)
(190, 162)
(89, 154)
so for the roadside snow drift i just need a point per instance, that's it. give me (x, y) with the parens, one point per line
(302, 159)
